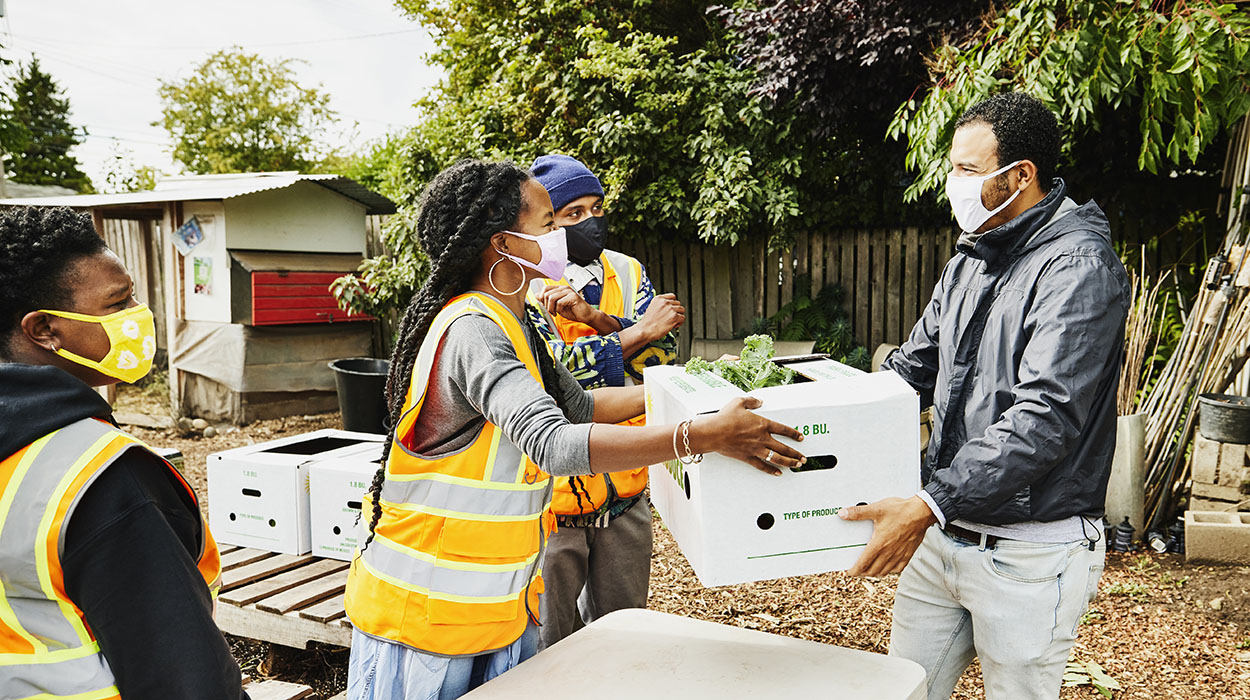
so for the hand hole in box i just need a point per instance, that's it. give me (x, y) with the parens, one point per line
(818, 463)
(861, 503)
(254, 493)
(765, 521)
(354, 505)
(313, 446)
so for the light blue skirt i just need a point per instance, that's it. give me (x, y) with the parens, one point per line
(383, 670)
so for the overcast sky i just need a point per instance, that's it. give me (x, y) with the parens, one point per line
(110, 56)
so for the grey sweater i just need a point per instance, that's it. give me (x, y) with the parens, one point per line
(478, 377)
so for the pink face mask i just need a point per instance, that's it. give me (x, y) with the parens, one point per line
(555, 254)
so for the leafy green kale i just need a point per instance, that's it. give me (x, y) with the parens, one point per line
(753, 370)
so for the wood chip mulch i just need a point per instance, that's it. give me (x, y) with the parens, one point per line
(1162, 628)
(1154, 627)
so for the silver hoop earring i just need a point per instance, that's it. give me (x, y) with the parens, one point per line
(490, 278)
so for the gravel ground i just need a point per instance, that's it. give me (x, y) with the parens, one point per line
(1160, 627)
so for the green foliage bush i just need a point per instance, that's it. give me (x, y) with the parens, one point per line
(821, 319)
(648, 93)
(1182, 66)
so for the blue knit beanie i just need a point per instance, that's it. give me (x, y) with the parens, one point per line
(565, 178)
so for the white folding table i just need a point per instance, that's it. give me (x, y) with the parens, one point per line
(630, 654)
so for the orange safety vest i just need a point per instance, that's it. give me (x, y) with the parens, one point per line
(622, 275)
(455, 563)
(46, 648)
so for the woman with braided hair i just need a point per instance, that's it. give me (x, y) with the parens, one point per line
(443, 594)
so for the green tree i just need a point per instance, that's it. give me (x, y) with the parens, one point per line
(1168, 77)
(648, 93)
(379, 165)
(240, 113)
(38, 135)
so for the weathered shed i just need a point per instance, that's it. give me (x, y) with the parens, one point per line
(237, 269)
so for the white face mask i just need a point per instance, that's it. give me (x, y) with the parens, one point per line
(964, 194)
(554, 251)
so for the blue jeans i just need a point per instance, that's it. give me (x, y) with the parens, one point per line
(1015, 606)
(383, 670)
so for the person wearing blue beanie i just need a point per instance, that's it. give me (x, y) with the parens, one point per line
(605, 323)
(566, 179)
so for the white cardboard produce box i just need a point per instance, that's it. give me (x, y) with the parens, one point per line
(258, 494)
(335, 490)
(737, 524)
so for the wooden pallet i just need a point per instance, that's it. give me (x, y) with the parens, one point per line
(283, 599)
(281, 690)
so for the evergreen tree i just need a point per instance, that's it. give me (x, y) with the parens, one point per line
(40, 135)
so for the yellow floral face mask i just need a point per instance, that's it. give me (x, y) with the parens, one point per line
(132, 341)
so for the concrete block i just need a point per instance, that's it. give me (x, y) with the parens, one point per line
(1199, 503)
(1220, 493)
(1217, 537)
(1219, 463)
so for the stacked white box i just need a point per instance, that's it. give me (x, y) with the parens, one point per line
(335, 489)
(258, 494)
(736, 524)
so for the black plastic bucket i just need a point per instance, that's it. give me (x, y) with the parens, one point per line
(361, 383)
(1224, 418)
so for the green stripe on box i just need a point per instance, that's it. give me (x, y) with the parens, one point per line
(808, 551)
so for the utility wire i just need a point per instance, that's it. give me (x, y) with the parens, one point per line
(213, 47)
(57, 58)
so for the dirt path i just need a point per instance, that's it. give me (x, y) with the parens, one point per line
(1160, 627)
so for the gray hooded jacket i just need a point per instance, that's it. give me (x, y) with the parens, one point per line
(1020, 351)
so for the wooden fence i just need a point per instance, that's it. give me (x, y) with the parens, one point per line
(887, 275)
(133, 241)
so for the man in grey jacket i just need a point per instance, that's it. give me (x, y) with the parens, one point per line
(1019, 352)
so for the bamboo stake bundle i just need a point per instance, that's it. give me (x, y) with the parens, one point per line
(1141, 340)
(1212, 352)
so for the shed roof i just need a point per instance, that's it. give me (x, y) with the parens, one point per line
(21, 189)
(210, 187)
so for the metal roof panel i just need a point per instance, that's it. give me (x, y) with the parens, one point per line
(212, 187)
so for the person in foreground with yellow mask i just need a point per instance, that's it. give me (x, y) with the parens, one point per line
(107, 569)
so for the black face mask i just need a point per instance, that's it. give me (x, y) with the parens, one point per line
(586, 238)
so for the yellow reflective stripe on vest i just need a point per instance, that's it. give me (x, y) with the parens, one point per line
(448, 580)
(465, 499)
(45, 528)
(7, 615)
(425, 591)
(462, 515)
(103, 694)
(628, 277)
(506, 460)
(622, 276)
(29, 591)
(47, 483)
(448, 478)
(424, 365)
(40, 482)
(460, 565)
(457, 551)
